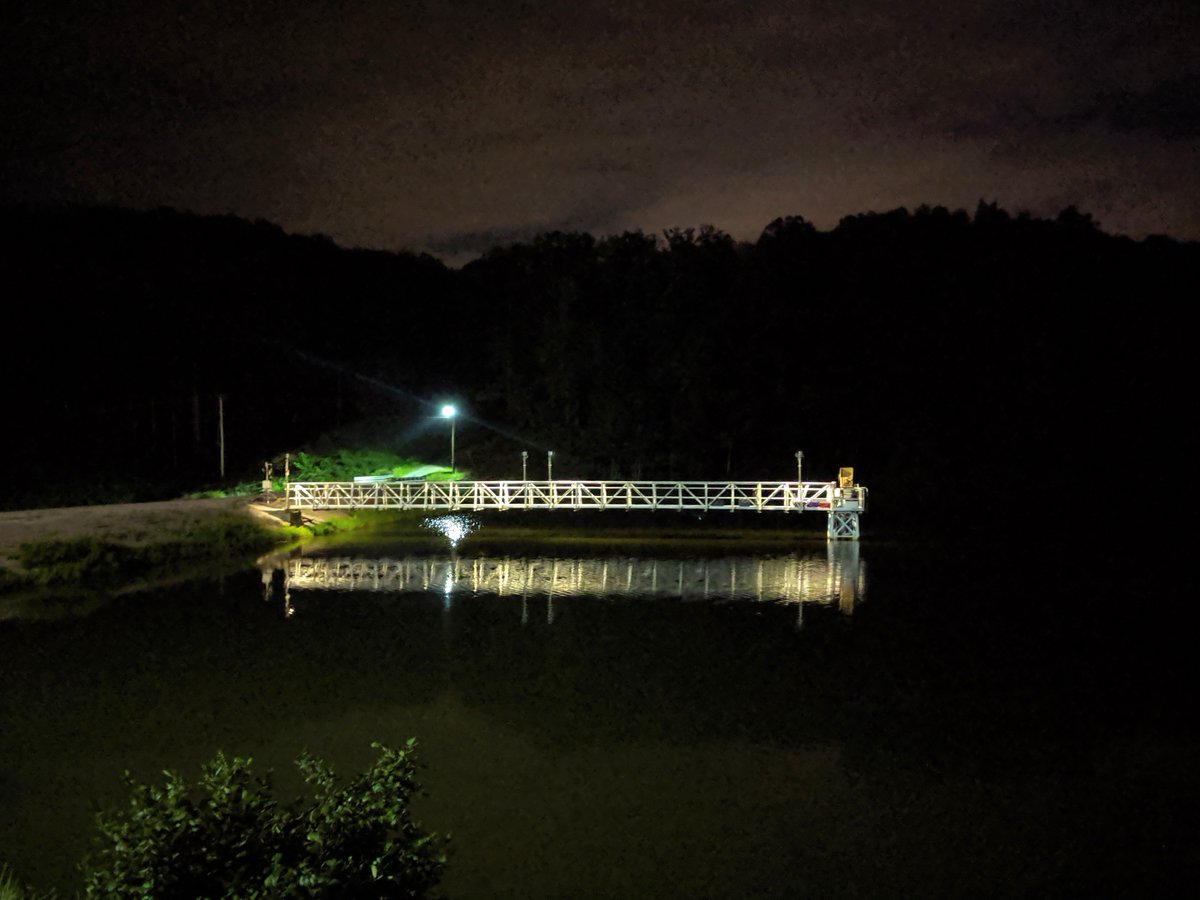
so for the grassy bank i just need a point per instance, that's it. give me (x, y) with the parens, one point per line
(93, 562)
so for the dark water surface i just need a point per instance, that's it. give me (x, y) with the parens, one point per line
(876, 721)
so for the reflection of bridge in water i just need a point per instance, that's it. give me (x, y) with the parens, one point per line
(835, 578)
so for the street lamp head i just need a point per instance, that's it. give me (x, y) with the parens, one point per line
(449, 412)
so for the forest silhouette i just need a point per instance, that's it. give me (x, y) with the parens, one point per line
(979, 371)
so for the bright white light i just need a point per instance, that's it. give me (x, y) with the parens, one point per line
(455, 528)
(449, 412)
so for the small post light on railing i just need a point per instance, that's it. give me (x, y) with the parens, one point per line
(549, 465)
(524, 465)
(800, 479)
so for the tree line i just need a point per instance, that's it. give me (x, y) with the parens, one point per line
(985, 357)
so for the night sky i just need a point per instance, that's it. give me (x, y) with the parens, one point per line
(454, 126)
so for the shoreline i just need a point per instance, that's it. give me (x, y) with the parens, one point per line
(112, 549)
(139, 525)
(121, 547)
(134, 524)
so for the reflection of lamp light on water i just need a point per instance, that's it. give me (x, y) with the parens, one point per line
(453, 528)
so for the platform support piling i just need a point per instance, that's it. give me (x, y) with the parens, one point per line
(842, 526)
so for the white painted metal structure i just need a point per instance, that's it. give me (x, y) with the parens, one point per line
(842, 505)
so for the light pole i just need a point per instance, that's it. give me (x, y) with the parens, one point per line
(549, 465)
(449, 412)
(524, 465)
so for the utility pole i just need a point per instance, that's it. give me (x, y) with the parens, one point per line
(524, 465)
(221, 430)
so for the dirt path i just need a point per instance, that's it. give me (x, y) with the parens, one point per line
(127, 523)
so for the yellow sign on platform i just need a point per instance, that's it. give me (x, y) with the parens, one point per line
(846, 477)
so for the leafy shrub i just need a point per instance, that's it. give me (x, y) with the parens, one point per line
(343, 465)
(227, 837)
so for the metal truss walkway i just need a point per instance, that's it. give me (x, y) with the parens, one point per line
(842, 505)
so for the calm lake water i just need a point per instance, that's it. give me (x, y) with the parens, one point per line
(875, 720)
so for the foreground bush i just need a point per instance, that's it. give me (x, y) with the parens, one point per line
(227, 837)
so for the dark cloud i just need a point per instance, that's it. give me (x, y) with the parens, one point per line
(392, 124)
